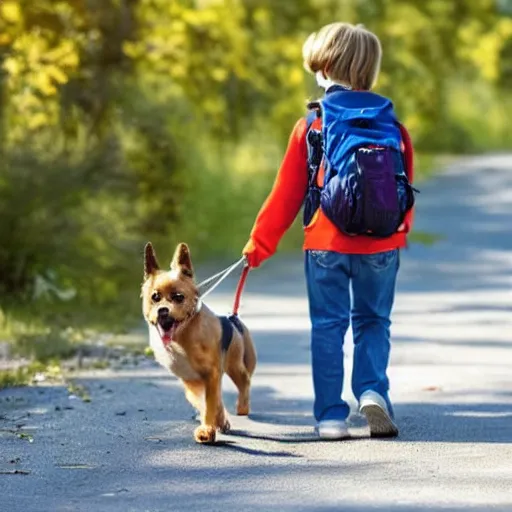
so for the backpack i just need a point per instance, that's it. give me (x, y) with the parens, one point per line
(365, 188)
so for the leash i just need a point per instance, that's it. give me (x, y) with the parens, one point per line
(212, 282)
(240, 289)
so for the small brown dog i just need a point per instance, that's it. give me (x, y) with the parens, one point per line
(193, 343)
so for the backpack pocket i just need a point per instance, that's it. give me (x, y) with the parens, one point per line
(377, 166)
(341, 200)
(370, 198)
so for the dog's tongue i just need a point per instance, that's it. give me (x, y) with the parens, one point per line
(167, 334)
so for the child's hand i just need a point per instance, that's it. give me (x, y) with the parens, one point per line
(401, 228)
(251, 252)
(255, 256)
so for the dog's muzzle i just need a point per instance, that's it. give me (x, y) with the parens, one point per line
(164, 319)
(166, 325)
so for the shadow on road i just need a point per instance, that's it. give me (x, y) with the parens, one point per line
(418, 422)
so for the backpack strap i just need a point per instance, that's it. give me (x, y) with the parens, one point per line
(408, 152)
(313, 142)
(310, 119)
(315, 112)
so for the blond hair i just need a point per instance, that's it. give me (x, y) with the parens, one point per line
(348, 54)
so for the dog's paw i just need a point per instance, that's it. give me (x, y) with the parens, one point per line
(205, 434)
(242, 409)
(224, 426)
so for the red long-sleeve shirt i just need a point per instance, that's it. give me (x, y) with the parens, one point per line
(285, 200)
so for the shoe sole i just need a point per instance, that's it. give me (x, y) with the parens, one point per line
(381, 425)
(333, 437)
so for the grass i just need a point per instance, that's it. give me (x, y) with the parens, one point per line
(40, 336)
(53, 371)
(27, 374)
(46, 334)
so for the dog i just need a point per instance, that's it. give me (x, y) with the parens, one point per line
(193, 343)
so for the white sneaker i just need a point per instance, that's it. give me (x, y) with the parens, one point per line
(332, 429)
(375, 408)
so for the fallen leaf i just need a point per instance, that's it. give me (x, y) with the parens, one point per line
(78, 391)
(28, 437)
(432, 388)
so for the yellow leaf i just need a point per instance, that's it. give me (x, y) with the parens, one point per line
(296, 76)
(57, 74)
(71, 60)
(37, 120)
(219, 74)
(261, 16)
(12, 66)
(26, 102)
(132, 50)
(10, 12)
(65, 54)
(43, 83)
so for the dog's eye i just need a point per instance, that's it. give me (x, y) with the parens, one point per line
(178, 298)
(156, 297)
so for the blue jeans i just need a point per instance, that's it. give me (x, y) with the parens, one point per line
(373, 278)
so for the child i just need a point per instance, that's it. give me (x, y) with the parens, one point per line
(344, 58)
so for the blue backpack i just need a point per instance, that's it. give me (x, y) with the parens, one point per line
(365, 190)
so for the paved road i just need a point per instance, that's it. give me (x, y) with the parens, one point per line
(131, 448)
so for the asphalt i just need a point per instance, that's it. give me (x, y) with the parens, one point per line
(131, 448)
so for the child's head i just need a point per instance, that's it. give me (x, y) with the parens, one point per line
(347, 54)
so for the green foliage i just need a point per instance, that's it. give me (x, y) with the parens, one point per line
(123, 121)
(24, 375)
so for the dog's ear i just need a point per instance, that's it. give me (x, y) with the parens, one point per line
(150, 261)
(181, 260)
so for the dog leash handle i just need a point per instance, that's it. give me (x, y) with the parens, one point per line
(240, 289)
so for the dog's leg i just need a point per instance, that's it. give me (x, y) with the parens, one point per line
(214, 416)
(194, 392)
(250, 356)
(242, 380)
